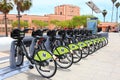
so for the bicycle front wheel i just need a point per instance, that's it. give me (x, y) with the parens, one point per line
(46, 68)
(65, 60)
(85, 52)
(77, 56)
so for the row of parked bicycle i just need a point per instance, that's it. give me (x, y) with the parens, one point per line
(52, 48)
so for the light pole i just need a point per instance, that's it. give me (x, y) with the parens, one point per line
(104, 12)
(18, 16)
(5, 18)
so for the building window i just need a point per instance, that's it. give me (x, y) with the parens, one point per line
(9, 29)
(3, 29)
(0, 29)
(10, 21)
(71, 11)
(2, 22)
(60, 13)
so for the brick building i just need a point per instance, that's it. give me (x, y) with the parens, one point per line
(104, 26)
(62, 12)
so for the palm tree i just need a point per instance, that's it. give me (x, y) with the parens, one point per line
(104, 14)
(22, 5)
(5, 7)
(113, 1)
(117, 6)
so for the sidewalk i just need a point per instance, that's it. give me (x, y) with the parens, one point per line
(102, 65)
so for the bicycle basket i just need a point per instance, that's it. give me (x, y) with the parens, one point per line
(17, 34)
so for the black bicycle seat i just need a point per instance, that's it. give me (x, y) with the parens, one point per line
(51, 33)
(70, 32)
(17, 34)
(76, 32)
(61, 33)
(37, 33)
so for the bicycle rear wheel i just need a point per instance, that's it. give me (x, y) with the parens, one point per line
(46, 68)
(19, 57)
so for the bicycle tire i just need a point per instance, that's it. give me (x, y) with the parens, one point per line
(48, 69)
(106, 41)
(77, 56)
(19, 57)
(67, 60)
(85, 52)
(91, 49)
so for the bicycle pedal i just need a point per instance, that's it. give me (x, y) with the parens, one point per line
(31, 66)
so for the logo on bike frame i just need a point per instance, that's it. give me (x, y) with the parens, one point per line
(44, 55)
(62, 50)
(73, 46)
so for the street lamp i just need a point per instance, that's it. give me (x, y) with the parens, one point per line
(93, 7)
(104, 12)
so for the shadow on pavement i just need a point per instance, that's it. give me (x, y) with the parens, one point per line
(32, 76)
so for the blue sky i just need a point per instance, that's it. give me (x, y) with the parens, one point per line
(42, 7)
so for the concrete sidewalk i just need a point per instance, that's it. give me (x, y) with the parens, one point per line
(102, 65)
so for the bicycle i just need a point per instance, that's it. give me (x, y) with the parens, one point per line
(62, 52)
(42, 59)
(68, 39)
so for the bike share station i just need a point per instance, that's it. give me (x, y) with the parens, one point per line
(92, 24)
(12, 69)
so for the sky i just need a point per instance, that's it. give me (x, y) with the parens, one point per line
(42, 7)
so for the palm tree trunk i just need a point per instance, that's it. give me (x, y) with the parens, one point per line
(104, 19)
(112, 13)
(6, 25)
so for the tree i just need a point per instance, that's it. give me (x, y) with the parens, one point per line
(55, 22)
(113, 1)
(81, 20)
(22, 5)
(104, 12)
(117, 6)
(72, 24)
(63, 24)
(5, 7)
(39, 23)
(22, 24)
